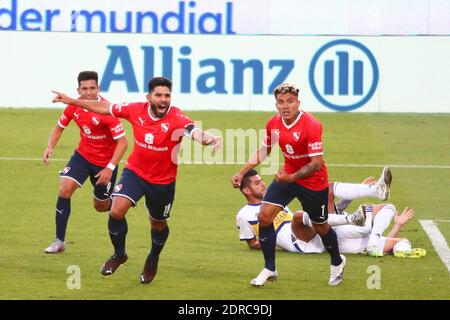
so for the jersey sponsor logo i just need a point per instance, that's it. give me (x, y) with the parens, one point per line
(165, 126)
(148, 138)
(315, 146)
(86, 129)
(76, 115)
(95, 121)
(296, 135)
(141, 120)
(289, 149)
(66, 169)
(117, 188)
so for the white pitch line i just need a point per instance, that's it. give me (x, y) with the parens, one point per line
(438, 241)
(345, 165)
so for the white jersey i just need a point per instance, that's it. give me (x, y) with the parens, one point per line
(247, 223)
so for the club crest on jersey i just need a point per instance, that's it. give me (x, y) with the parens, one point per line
(117, 188)
(86, 130)
(165, 126)
(66, 169)
(149, 138)
(95, 121)
(296, 135)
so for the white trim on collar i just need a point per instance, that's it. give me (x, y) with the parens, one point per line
(293, 123)
(153, 118)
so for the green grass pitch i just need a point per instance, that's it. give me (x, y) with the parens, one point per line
(203, 258)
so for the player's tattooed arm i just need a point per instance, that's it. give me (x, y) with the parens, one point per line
(305, 171)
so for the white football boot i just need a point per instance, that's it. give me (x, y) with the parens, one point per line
(56, 246)
(337, 273)
(263, 276)
(384, 184)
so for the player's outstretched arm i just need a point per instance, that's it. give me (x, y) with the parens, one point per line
(207, 139)
(90, 105)
(255, 159)
(52, 141)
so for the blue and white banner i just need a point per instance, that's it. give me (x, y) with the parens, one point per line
(212, 72)
(229, 17)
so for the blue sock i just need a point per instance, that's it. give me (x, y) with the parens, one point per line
(62, 216)
(331, 245)
(117, 232)
(268, 239)
(158, 241)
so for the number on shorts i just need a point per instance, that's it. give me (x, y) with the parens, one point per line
(167, 210)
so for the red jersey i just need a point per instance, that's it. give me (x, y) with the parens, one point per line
(299, 141)
(98, 133)
(156, 140)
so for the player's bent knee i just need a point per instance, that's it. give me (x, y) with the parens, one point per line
(298, 218)
(390, 206)
(101, 206)
(117, 215)
(158, 226)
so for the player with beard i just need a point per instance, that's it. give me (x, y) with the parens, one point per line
(151, 168)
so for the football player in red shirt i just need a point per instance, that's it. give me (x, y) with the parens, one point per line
(151, 168)
(102, 145)
(304, 176)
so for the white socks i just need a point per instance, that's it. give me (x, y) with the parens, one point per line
(383, 218)
(333, 219)
(381, 222)
(351, 191)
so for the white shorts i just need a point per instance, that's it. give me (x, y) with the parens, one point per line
(287, 241)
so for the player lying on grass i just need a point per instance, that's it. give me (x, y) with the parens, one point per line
(295, 234)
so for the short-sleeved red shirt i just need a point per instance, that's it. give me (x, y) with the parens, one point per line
(299, 141)
(156, 140)
(98, 133)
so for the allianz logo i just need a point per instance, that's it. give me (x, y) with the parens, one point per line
(208, 75)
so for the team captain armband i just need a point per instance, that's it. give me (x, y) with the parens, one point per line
(190, 128)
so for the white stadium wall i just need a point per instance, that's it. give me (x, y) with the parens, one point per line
(358, 74)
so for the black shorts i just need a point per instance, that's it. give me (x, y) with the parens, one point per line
(79, 169)
(315, 203)
(158, 197)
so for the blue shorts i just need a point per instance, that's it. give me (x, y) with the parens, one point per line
(158, 197)
(79, 169)
(315, 203)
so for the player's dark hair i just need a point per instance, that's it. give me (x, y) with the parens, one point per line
(159, 81)
(87, 75)
(286, 88)
(245, 182)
